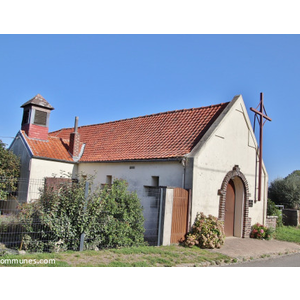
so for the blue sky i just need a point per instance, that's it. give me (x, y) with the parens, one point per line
(103, 78)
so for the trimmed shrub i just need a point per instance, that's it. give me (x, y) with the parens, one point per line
(207, 232)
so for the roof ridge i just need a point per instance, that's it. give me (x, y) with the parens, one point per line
(145, 116)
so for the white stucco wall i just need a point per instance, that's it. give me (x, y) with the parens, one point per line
(41, 168)
(231, 143)
(137, 174)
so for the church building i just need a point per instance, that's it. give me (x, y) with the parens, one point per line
(208, 154)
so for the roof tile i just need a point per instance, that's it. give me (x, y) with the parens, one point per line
(158, 136)
(53, 148)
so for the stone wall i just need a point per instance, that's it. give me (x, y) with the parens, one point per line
(271, 221)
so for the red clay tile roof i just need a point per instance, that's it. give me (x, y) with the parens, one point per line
(158, 136)
(53, 148)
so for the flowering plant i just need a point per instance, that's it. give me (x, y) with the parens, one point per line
(207, 232)
(260, 231)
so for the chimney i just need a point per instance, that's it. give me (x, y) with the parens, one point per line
(75, 141)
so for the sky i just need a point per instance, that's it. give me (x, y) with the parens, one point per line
(102, 78)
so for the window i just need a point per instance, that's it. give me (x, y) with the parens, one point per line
(109, 179)
(155, 181)
(153, 192)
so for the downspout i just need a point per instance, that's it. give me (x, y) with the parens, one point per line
(183, 163)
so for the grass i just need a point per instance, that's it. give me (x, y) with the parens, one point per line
(288, 233)
(164, 256)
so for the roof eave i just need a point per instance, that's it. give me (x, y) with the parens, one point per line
(55, 159)
(136, 160)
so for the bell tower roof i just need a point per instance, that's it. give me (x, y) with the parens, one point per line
(38, 100)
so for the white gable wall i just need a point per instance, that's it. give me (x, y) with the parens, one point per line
(41, 168)
(231, 143)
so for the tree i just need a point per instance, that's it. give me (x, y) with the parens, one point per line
(286, 191)
(9, 171)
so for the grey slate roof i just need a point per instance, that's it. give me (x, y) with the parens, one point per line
(38, 100)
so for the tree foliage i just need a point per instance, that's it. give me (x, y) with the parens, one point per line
(109, 217)
(9, 172)
(286, 191)
(272, 210)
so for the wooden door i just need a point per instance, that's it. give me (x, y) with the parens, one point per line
(179, 215)
(229, 209)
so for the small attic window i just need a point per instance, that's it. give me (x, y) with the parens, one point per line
(155, 181)
(40, 118)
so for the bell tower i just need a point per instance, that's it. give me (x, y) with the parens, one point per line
(36, 114)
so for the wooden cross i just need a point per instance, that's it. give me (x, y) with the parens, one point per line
(262, 115)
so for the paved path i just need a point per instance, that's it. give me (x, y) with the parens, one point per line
(247, 248)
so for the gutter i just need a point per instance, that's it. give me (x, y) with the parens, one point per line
(134, 160)
(54, 159)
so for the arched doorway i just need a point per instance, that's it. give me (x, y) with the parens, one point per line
(229, 209)
(234, 204)
(234, 207)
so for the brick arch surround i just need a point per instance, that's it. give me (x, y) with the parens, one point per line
(236, 172)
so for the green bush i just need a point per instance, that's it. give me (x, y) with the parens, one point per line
(124, 221)
(9, 172)
(110, 217)
(207, 232)
(272, 210)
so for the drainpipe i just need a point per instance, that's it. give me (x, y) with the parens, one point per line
(160, 216)
(183, 162)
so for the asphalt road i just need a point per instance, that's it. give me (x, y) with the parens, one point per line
(292, 260)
